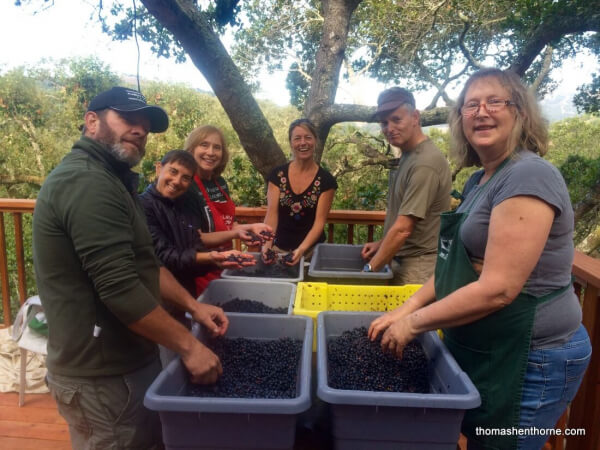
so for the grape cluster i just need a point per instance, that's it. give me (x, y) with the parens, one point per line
(267, 235)
(357, 363)
(255, 238)
(261, 237)
(250, 306)
(270, 254)
(238, 259)
(287, 258)
(267, 271)
(253, 369)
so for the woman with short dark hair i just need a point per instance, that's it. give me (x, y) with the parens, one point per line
(176, 235)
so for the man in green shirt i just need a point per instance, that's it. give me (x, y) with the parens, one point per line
(419, 191)
(101, 285)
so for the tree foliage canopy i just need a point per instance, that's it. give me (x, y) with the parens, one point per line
(587, 99)
(420, 43)
(41, 109)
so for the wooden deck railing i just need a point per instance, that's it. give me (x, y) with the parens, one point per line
(584, 412)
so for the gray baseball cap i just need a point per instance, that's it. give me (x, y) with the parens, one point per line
(393, 98)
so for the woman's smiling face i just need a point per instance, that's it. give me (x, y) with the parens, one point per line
(488, 133)
(302, 142)
(173, 179)
(208, 155)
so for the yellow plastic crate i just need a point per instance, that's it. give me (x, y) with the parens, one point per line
(312, 298)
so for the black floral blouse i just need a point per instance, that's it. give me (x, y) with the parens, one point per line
(297, 212)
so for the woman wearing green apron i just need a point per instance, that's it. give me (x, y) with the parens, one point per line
(502, 281)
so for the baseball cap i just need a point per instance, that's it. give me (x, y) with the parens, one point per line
(122, 99)
(393, 98)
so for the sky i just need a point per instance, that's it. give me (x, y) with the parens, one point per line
(67, 30)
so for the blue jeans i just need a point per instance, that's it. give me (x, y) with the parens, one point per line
(551, 382)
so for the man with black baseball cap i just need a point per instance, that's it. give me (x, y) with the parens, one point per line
(102, 287)
(125, 100)
(419, 191)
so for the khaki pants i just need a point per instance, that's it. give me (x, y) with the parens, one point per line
(413, 269)
(107, 413)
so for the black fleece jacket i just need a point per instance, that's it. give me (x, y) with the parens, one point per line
(175, 236)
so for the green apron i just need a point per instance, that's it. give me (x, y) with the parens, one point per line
(493, 350)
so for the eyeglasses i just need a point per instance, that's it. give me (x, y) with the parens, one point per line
(491, 106)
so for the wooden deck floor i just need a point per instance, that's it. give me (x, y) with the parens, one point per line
(35, 425)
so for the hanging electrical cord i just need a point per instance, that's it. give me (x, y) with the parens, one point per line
(135, 35)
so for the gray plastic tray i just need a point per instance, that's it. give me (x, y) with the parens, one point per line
(247, 273)
(275, 294)
(227, 423)
(342, 263)
(395, 420)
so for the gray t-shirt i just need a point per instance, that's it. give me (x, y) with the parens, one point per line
(528, 174)
(419, 186)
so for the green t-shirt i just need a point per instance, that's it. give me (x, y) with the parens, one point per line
(419, 186)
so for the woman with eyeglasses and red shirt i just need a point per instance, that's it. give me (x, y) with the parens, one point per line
(208, 196)
(502, 289)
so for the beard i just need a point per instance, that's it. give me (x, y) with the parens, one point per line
(108, 137)
(132, 158)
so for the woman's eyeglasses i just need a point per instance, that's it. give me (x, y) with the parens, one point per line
(491, 106)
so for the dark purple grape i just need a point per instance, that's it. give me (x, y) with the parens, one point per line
(253, 369)
(250, 306)
(357, 363)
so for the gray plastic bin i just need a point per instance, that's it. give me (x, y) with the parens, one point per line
(275, 294)
(296, 273)
(394, 420)
(342, 264)
(234, 423)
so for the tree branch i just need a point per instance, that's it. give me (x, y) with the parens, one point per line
(347, 168)
(461, 41)
(330, 55)
(29, 128)
(546, 65)
(441, 88)
(358, 113)
(300, 70)
(374, 157)
(553, 30)
(192, 29)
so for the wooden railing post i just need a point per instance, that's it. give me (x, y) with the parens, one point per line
(350, 233)
(585, 409)
(20, 254)
(4, 274)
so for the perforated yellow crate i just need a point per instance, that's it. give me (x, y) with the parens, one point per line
(312, 298)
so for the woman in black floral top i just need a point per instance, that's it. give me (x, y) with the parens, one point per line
(299, 196)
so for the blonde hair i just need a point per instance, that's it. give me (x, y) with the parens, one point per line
(530, 131)
(198, 135)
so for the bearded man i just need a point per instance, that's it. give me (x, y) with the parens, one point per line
(102, 287)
